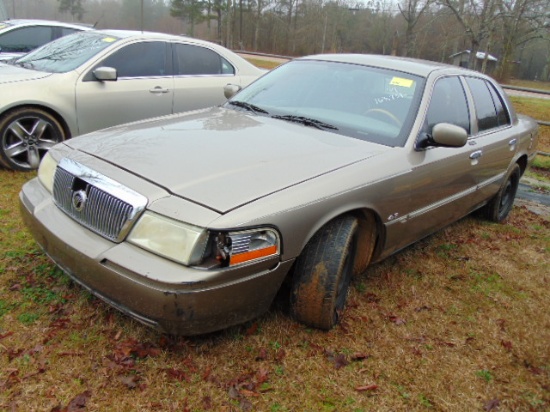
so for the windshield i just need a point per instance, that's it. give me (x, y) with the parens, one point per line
(372, 104)
(67, 53)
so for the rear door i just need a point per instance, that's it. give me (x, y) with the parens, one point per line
(200, 75)
(493, 137)
(144, 88)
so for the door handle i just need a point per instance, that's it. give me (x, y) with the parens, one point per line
(158, 90)
(476, 155)
(512, 142)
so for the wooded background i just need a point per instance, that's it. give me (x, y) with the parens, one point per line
(516, 32)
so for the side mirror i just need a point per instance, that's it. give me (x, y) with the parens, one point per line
(105, 74)
(230, 90)
(443, 135)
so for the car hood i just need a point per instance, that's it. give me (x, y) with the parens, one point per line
(10, 74)
(221, 158)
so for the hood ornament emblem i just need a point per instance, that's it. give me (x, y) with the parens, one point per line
(79, 200)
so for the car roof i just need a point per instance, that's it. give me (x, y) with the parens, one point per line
(40, 22)
(136, 34)
(404, 64)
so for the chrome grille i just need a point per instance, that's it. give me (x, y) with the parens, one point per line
(96, 201)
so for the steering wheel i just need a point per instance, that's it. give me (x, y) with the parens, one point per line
(389, 115)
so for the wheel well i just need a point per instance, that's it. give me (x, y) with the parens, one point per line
(370, 238)
(50, 111)
(522, 162)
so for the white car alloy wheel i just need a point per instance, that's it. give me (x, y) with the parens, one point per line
(27, 134)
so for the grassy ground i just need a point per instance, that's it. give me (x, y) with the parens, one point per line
(458, 322)
(531, 84)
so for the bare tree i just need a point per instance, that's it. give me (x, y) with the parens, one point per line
(477, 19)
(412, 10)
(522, 22)
(74, 7)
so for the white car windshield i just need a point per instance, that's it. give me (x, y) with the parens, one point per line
(67, 53)
(368, 103)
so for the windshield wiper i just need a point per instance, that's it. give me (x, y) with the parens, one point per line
(307, 121)
(248, 106)
(26, 65)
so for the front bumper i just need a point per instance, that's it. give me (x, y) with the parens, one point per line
(160, 293)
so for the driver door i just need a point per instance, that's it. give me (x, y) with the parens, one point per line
(144, 87)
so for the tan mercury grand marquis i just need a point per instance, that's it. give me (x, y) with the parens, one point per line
(192, 222)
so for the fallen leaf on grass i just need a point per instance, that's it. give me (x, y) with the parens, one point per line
(262, 355)
(5, 335)
(491, 405)
(177, 374)
(12, 379)
(397, 320)
(359, 357)
(506, 344)
(252, 329)
(130, 381)
(78, 403)
(340, 361)
(207, 402)
(233, 393)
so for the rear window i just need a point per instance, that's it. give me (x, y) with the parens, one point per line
(490, 110)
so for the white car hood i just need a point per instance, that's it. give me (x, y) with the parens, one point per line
(222, 158)
(10, 74)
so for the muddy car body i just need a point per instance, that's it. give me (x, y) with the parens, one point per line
(316, 170)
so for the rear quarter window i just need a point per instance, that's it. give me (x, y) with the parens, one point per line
(490, 110)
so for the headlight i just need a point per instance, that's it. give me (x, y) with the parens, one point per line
(46, 171)
(234, 248)
(169, 238)
(190, 245)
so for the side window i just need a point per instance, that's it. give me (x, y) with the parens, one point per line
(503, 118)
(196, 60)
(448, 104)
(146, 59)
(25, 39)
(486, 112)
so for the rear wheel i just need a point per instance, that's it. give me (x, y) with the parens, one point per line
(323, 272)
(499, 206)
(26, 135)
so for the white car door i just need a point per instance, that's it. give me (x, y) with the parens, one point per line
(200, 75)
(144, 87)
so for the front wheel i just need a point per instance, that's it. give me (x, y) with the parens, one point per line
(499, 206)
(26, 135)
(323, 272)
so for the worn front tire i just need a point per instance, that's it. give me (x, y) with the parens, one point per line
(500, 206)
(322, 274)
(26, 134)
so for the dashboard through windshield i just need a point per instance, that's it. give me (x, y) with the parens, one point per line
(368, 103)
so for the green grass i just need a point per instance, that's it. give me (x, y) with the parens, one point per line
(536, 108)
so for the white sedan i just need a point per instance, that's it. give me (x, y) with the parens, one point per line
(96, 79)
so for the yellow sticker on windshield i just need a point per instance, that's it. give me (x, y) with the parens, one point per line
(109, 39)
(399, 81)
